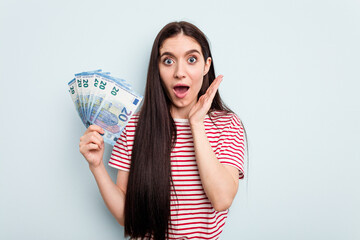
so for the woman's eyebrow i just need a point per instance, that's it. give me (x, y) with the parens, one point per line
(186, 53)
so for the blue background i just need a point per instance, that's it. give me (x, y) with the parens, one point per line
(291, 72)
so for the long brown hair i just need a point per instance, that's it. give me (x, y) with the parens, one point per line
(147, 205)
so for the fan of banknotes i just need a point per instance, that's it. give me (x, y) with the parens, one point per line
(104, 100)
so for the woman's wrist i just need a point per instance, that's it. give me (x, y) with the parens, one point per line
(197, 126)
(196, 122)
(96, 168)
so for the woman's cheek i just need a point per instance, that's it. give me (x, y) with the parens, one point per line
(198, 79)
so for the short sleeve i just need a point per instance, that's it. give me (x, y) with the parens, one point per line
(232, 150)
(120, 157)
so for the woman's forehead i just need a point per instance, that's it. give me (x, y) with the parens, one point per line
(179, 44)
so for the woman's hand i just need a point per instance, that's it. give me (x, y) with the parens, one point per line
(200, 109)
(92, 146)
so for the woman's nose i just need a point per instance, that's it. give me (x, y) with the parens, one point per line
(180, 70)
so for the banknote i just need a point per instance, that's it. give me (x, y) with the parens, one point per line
(101, 83)
(84, 85)
(104, 100)
(75, 98)
(115, 110)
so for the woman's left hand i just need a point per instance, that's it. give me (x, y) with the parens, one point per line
(200, 109)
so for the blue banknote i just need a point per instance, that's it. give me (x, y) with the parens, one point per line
(104, 100)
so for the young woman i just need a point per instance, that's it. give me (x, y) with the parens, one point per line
(181, 157)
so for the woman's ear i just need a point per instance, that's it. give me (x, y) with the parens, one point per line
(207, 65)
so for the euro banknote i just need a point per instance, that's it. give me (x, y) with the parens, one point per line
(104, 100)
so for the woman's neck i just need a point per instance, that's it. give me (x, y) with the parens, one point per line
(180, 113)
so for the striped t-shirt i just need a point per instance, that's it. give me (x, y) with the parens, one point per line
(192, 215)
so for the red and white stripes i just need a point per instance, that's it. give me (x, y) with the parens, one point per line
(192, 215)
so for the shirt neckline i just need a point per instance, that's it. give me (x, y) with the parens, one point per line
(185, 119)
(181, 119)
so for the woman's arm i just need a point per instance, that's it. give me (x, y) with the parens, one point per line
(112, 194)
(220, 181)
(92, 148)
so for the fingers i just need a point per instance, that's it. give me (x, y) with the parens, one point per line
(95, 128)
(91, 146)
(85, 148)
(92, 136)
(90, 142)
(201, 108)
(211, 91)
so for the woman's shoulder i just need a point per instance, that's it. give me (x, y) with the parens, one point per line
(224, 117)
(133, 120)
(135, 116)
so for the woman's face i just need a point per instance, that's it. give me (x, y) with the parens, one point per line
(182, 69)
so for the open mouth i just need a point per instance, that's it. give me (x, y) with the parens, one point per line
(181, 90)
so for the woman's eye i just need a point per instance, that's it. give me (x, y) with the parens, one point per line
(168, 61)
(192, 60)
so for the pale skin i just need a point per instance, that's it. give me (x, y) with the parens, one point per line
(181, 61)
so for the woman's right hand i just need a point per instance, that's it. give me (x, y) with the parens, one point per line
(92, 146)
